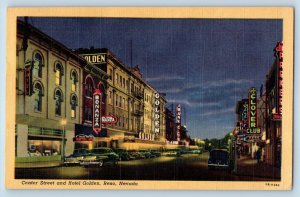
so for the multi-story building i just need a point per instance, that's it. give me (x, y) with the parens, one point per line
(48, 100)
(171, 134)
(55, 108)
(274, 110)
(129, 98)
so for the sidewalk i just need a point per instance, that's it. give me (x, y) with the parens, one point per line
(249, 167)
(42, 164)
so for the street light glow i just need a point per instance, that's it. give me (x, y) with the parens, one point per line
(63, 122)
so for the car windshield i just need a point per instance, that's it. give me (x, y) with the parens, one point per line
(99, 151)
(78, 151)
(218, 154)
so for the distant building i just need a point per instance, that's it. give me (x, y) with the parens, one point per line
(171, 134)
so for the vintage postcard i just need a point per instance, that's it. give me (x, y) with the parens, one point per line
(185, 98)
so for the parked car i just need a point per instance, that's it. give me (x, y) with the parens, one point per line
(172, 153)
(146, 153)
(218, 158)
(100, 157)
(155, 153)
(123, 154)
(136, 155)
(196, 151)
(76, 157)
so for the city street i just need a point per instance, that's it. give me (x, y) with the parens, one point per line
(185, 167)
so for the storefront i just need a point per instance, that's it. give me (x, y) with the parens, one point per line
(41, 144)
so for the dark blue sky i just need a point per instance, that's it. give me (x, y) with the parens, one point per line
(206, 65)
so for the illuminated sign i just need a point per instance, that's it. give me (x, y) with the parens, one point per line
(279, 55)
(146, 136)
(28, 78)
(98, 58)
(172, 142)
(252, 111)
(245, 111)
(110, 119)
(244, 122)
(178, 121)
(156, 113)
(252, 108)
(97, 110)
(83, 137)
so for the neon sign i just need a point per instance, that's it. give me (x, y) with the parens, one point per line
(252, 110)
(279, 55)
(156, 113)
(97, 100)
(28, 78)
(178, 121)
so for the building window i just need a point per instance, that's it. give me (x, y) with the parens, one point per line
(117, 78)
(110, 74)
(124, 106)
(120, 103)
(89, 87)
(58, 101)
(74, 79)
(37, 64)
(110, 97)
(117, 100)
(88, 113)
(58, 74)
(37, 94)
(74, 103)
(121, 81)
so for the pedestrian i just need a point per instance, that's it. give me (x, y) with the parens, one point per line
(258, 155)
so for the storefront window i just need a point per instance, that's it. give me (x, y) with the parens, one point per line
(44, 148)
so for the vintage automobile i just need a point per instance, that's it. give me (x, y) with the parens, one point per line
(123, 154)
(99, 157)
(145, 153)
(196, 151)
(219, 158)
(172, 153)
(136, 154)
(76, 157)
(155, 153)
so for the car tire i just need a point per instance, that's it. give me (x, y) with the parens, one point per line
(115, 162)
(100, 163)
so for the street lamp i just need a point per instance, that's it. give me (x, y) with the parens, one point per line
(63, 123)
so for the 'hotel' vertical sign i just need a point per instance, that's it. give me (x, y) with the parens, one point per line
(178, 121)
(279, 55)
(156, 113)
(97, 111)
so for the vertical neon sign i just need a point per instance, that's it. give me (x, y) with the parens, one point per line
(97, 101)
(178, 121)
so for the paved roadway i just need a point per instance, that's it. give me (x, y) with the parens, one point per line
(186, 167)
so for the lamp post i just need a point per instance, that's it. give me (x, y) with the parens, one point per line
(63, 123)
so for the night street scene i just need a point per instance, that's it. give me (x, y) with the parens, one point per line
(148, 99)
